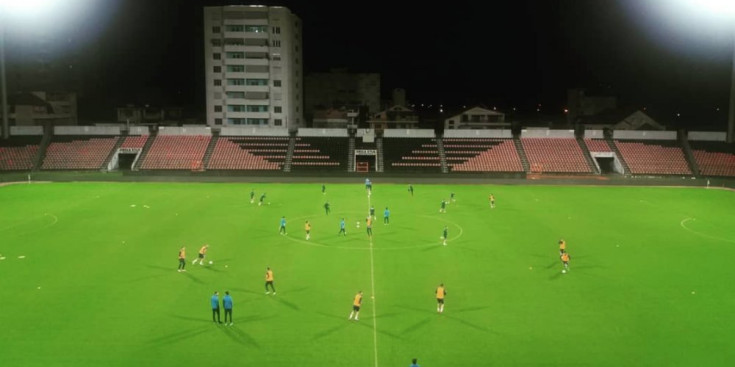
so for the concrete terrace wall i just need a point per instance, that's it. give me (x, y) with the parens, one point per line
(194, 130)
(139, 130)
(26, 130)
(701, 135)
(494, 133)
(644, 135)
(86, 130)
(594, 134)
(252, 131)
(341, 133)
(408, 133)
(546, 133)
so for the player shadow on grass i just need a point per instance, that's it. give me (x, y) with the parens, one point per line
(329, 331)
(176, 337)
(239, 336)
(416, 326)
(368, 325)
(457, 319)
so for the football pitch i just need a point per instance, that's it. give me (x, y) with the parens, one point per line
(88, 275)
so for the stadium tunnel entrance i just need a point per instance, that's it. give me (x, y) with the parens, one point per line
(365, 160)
(124, 159)
(607, 162)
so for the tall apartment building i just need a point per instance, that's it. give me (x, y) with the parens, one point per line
(253, 61)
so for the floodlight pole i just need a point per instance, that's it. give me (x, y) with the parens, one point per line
(6, 133)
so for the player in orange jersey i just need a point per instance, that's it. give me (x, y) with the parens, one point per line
(356, 306)
(441, 292)
(182, 259)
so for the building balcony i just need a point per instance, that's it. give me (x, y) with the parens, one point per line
(256, 61)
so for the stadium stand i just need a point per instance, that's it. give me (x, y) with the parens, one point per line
(481, 155)
(260, 153)
(597, 145)
(134, 142)
(411, 154)
(320, 153)
(74, 152)
(176, 152)
(659, 157)
(556, 155)
(714, 158)
(18, 153)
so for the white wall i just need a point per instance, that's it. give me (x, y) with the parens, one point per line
(323, 132)
(546, 133)
(408, 133)
(86, 130)
(700, 135)
(139, 130)
(26, 130)
(644, 135)
(495, 133)
(594, 134)
(253, 131)
(175, 130)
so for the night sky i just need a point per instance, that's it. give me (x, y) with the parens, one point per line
(506, 54)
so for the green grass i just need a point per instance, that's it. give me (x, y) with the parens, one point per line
(649, 283)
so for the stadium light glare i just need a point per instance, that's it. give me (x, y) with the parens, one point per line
(28, 8)
(711, 8)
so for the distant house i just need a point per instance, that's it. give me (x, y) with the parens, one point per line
(43, 108)
(396, 117)
(150, 115)
(621, 119)
(476, 118)
(334, 118)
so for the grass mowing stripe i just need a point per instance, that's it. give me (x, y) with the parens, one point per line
(372, 294)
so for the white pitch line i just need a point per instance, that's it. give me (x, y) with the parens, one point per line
(683, 222)
(372, 295)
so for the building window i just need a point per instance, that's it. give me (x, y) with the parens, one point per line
(256, 121)
(296, 61)
(236, 121)
(235, 81)
(218, 82)
(276, 57)
(236, 68)
(217, 108)
(218, 121)
(217, 69)
(277, 109)
(217, 56)
(235, 55)
(234, 28)
(256, 81)
(235, 108)
(276, 83)
(277, 30)
(276, 43)
(256, 28)
(235, 94)
(257, 108)
(216, 42)
(278, 122)
(215, 29)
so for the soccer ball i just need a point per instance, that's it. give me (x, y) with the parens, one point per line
(211, 262)
(563, 271)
